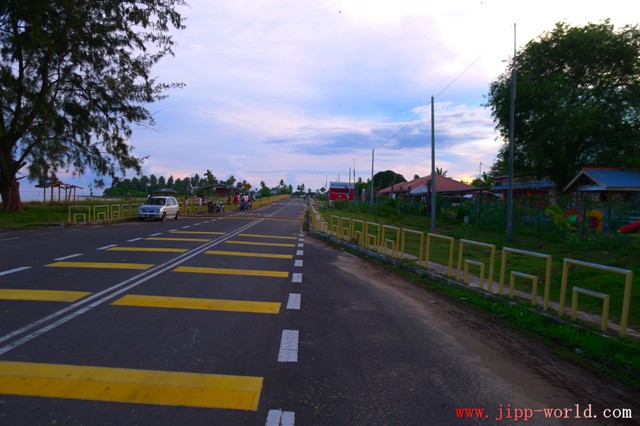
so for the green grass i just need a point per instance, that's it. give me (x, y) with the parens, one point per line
(34, 214)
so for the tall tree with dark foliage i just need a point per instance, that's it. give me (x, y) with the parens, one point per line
(75, 75)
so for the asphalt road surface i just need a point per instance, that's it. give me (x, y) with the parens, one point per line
(243, 319)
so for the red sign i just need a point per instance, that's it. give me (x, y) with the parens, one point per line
(341, 191)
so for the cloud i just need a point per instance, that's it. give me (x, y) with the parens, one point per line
(302, 90)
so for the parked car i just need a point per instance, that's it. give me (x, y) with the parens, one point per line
(159, 208)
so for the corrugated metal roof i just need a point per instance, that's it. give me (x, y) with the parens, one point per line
(592, 179)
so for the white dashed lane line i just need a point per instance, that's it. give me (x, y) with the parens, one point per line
(294, 301)
(280, 418)
(71, 256)
(289, 346)
(11, 271)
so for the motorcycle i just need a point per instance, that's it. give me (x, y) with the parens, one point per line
(215, 207)
(245, 205)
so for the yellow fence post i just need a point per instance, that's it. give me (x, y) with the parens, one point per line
(534, 285)
(376, 236)
(451, 250)
(421, 244)
(468, 262)
(606, 301)
(395, 241)
(358, 234)
(492, 259)
(547, 279)
(626, 301)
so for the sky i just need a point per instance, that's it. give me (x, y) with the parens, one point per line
(307, 91)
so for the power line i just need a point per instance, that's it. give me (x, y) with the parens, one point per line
(439, 93)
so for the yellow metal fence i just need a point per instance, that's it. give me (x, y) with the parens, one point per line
(412, 246)
(110, 212)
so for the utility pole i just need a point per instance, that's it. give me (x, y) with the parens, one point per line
(433, 169)
(371, 195)
(512, 121)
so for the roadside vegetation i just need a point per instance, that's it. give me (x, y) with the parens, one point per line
(580, 342)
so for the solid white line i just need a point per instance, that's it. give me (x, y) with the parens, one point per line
(156, 234)
(11, 271)
(296, 277)
(280, 418)
(134, 239)
(300, 253)
(68, 257)
(289, 346)
(8, 239)
(298, 263)
(294, 301)
(106, 247)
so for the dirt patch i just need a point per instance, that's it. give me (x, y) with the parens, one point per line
(525, 363)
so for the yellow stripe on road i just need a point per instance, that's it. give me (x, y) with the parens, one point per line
(193, 240)
(248, 254)
(42, 295)
(268, 236)
(201, 304)
(253, 243)
(130, 386)
(198, 232)
(150, 249)
(226, 271)
(101, 265)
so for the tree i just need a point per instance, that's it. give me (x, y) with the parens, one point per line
(74, 77)
(577, 102)
(387, 178)
(440, 171)
(486, 181)
(210, 178)
(264, 189)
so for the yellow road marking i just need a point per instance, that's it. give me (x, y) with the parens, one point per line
(261, 217)
(202, 304)
(42, 295)
(247, 254)
(268, 236)
(130, 386)
(253, 243)
(101, 265)
(226, 271)
(151, 249)
(198, 232)
(194, 240)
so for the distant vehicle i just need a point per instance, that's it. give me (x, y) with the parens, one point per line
(213, 207)
(159, 208)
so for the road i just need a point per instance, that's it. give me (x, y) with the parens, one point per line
(243, 319)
